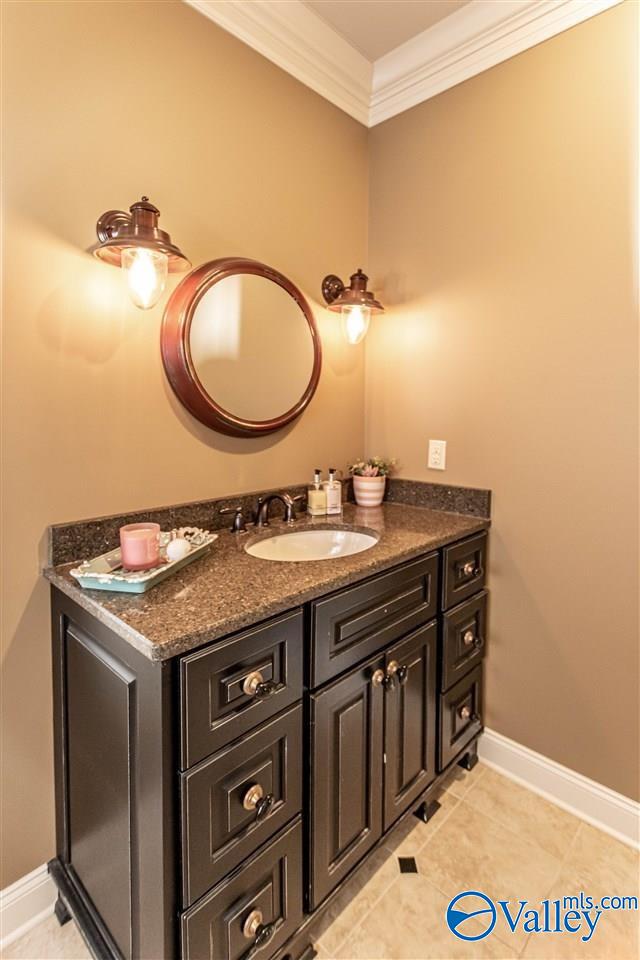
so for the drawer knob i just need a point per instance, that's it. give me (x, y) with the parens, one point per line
(254, 799)
(252, 924)
(254, 929)
(470, 570)
(465, 713)
(254, 685)
(468, 638)
(396, 671)
(377, 678)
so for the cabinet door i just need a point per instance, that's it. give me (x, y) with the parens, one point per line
(410, 721)
(346, 778)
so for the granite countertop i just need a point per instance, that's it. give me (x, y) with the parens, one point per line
(228, 589)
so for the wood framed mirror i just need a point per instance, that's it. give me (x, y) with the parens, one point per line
(240, 347)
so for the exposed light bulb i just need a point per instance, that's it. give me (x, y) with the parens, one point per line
(146, 272)
(355, 322)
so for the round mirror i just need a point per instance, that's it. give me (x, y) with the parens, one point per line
(240, 347)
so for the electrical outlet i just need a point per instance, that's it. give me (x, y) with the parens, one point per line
(437, 454)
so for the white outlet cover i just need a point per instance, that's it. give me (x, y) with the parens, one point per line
(437, 454)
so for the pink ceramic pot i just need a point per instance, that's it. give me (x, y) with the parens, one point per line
(369, 491)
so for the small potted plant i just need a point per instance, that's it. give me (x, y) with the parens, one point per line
(370, 479)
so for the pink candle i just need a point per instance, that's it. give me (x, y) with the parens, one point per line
(140, 545)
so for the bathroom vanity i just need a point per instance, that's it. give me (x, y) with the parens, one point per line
(233, 745)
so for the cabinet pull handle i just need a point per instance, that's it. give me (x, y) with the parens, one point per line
(402, 673)
(254, 929)
(377, 678)
(254, 685)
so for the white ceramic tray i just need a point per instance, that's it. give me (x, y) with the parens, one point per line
(106, 573)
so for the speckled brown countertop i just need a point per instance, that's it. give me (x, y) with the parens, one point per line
(227, 589)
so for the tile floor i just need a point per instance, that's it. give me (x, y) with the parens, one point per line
(490, 835)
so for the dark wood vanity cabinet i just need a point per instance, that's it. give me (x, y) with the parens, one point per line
(208, 806)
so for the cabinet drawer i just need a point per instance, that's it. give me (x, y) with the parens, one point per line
(460, 715)
(221, 822)
(217, 699)
(464, 570)
(268, 889)
(357, 622)
(464, 637)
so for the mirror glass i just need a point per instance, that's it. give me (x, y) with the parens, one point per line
(251, 346)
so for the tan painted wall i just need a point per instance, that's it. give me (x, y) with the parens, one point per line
(502, 225)
(104, 102)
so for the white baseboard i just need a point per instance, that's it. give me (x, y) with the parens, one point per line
(25, 903)
(598, 805)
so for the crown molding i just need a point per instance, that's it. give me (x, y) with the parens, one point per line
(292, 36)
(476, 37)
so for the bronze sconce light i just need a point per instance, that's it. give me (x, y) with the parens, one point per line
(135, 242)
(354, 303)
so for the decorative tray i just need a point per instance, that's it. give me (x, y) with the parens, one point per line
(107, 573)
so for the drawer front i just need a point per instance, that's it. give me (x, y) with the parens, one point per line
(464, 638)
(235, 801)
(268, 890)
(464, 570)
(359, 621)
(460, 716)
(219, 699)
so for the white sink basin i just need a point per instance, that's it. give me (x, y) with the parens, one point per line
(312, 545)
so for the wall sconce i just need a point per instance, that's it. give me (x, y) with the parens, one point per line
(355, 304)
(134, 242)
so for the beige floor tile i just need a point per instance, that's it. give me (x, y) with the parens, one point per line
(49, 941)
(459, 781)
(616, 935)
(525, 813)
(355, 901)
(408, 923)
(410, 837)
(473, 852)
(605, 860)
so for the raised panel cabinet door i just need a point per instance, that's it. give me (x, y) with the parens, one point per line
(410, 720)
(346, 775)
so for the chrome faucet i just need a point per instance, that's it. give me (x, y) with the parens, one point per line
(262, 511)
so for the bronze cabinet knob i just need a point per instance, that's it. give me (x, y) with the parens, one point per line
(377, 678)
(468, 637)
(252, 924)
(254, 794)
(469, 568)
(251, 683)
(392, 668)
(464, 712)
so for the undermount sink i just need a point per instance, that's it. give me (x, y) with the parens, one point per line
(312, 545)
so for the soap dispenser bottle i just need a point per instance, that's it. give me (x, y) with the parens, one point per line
(316, 496)
(333, 490)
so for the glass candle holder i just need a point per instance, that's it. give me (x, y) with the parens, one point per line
(140, 545)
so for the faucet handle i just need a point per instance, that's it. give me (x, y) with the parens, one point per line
(238, 525)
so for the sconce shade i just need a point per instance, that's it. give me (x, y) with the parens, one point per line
(118, 231)
(337, 296)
